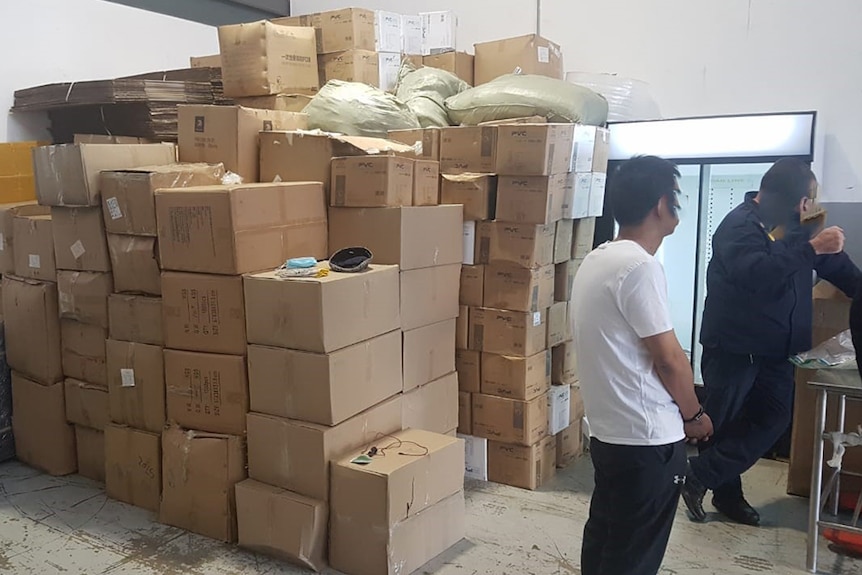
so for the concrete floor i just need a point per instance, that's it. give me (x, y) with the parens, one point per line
(70, 526)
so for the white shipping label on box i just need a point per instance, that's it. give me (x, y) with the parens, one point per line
(475, 457)
(35, 261)
(559, 408)
(439, 30)
(598, 183)
(127, 378)
(411, 35)
(469, 243)
(544, 55)
(114, 208)
(388, 28)
(584, 148)
(390, 66)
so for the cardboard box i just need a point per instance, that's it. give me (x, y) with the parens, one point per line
(564, 369)
(472, 286)
(524, 467)
(439, 32)
(322, 314)
(511, 287)
(564, 279)
(520, 334)
(434, 406)
(531, 199)
(597, 195)
(411, 237)
(136, 385)
(79, 239)
(465, 413)
(199, 473)
(462, 328)
(429, 353)
(31, 312)
(372, 181)
(339, 30)
(476, 192)
(83, 296)
(371, 505)
(240, 229)
(295, 455)
(84, 354)
(458, 63)
(578, 410)
(133, 466)
(559, 408)
(69, 174)
(429, 295)
(128, 196)
(471, 149)
(559, 330)
(469, 244)
(87, 404)
(212, 61)
(411, 36)
(202, 312)
(530, 54)
(563, 241)
(135, 318)
(468, 364)
(262, 58)
(281, 524)
(135, 263)
(592, 147)
(388, 29)
(90, 444)
(16, 171)
(230, 135)
(576, 200)
(324, 389)
(34, 238)
(535, 149)
(206, 391)
(426, 183)
(510, 420)
(360, 66)
(584, 237)
(8, 213)
(476, 457)
(530, 246)
(516, 377)
(279, 102)
(43, 439)
(426, 141)
(570, 445)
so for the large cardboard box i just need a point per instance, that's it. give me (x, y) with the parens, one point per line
(429, 295)
(262, 58)
(476, 192)
(524, 467)
(426, 182)
(372, 181)
(570, 445)
(31, 312)
(457, 63)
(79, 239)
(87, 404)
(468, 149)
(8, 213)
(135, 318)
(371, 502)
(34, 237)
(322, 314)
(564, 369)
(83, 351)
(411, 237)
(465, 413)
(512, 287)
(135, 263)
(69, 174)
(516, 377)
(133, 466)
(472, 286)
(584, 238)
(128, 202)
(90, 447)
(295, 455)
(136, 385)
(206, 391)
(16, 171)
(83, 296)
(425, 141)
(592, 147)
(531, 54)
(280, 102)
(563, 239)
(528, 245)
(337, 30)
(558, 324)
(510, 420)
(199, 473)
(434, 406)
(535, 149)
(429, 353)
(43, 439)
(230, 135)
(468, 364)
(242, 228)
(531, 199)
(521, 334)
(324, 388)
(378, 69)
(202, 312)
(281, 524)
(439, 32)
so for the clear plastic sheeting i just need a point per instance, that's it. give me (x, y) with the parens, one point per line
(7, 442)
(356, 109)
(628, 99)
(837, 352)
(519, 96)
(425, 91)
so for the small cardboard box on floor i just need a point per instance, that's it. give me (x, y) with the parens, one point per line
(133, 466)
(520, 466)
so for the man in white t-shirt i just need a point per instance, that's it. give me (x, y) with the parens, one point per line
(636, 381)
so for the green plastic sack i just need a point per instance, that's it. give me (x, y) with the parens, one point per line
(357, 109)
(425, 91)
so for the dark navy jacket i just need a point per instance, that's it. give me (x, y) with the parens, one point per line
(759, 294)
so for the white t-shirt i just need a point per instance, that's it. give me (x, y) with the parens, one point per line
(619, 299)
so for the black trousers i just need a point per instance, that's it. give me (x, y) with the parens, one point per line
(633, 507)
(750, 401)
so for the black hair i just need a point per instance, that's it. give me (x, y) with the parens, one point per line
(789, 178)
(638, 185)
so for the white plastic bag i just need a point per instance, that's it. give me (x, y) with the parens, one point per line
(835, 352)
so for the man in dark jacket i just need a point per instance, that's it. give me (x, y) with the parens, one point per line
(758, 313)
(856, 325)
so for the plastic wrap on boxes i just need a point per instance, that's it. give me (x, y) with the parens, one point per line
(425, 91)
(628, 99)
(7, 442)
(356, 109)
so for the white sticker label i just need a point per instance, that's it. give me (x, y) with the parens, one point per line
(537, 319)
(77, 250)
(544, 55)
(2, 243)
(114, 208)
(35, 261)
(128, 377)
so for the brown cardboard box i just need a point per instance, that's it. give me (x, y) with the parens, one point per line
(323, 314)
(457, 63)
(524, 467)
(428, 140)
(570, 445)
(79, 239)
(531, 54)
(372, 506)
(462, 328)
(212, 61)
(472, 286)
(280, 102)
(43, 439)
(476, 192)
(240, 229)
(136, 385)
(535, 150)
(509, 286)
(133, 466)
(295, 455)
(468, 149)
(8, 213)
(31, 312)
(465, 413)
(372, 181)
(202, 312)
(584, 237)
(426, 182)
(516, 377)
(281, 524)
(68, 174)
(83, 296)
(411, 237)
(564, 279)
(429, 353)
(206, 391)
(90, 444)
(324, 389)
(87, 404)
(468, 363)
(128, 201)
(558, 324)
(262, 58)
(563, 241)
(135, 263)
(527, 245)
(199, 472)
(338, 30)
(521, 334)
(510, 420)
(565, 364)
(531, 199)
(135, 318)
(34, 237)
(361, 66)
(83, 348)
(577, 410)
(434, 406)
(429, 295)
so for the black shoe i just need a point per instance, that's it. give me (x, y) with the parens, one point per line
(693, 492)
(738, 510)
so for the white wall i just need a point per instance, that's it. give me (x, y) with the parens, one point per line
(48, 41)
